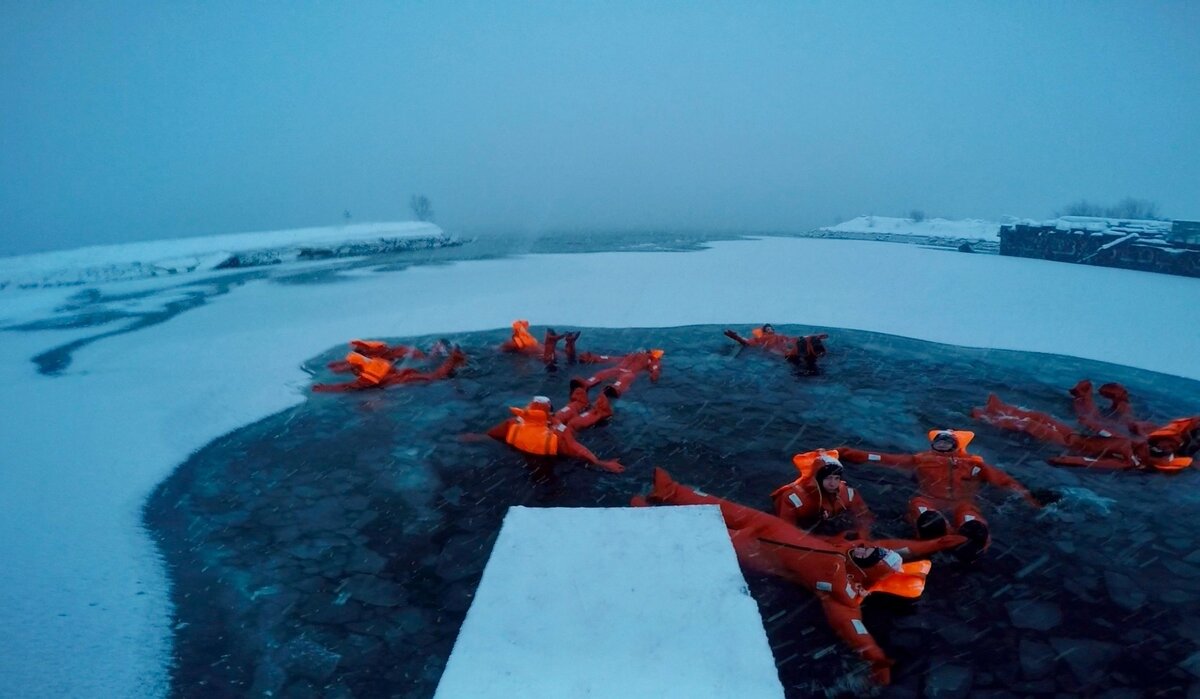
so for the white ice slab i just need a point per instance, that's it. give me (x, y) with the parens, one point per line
(612, 602)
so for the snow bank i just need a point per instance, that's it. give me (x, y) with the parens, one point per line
(617, 602)
(965, 229)
(104, 263)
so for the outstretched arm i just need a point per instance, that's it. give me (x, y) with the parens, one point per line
(847, 623)
(856, 456)
(1089, 462)
(356, 385)
(732, 335)
(398, 352)
(1000, 479)
(913, 549)
(567, 446)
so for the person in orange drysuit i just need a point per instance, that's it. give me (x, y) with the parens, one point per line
(624, 373)
(523, 341)
(948, 478)
(820, 494)
(1118, 419)
(550, 346)
(1169, 448)
(796, 349)
(841, 574)
(374, 349)
(580, 413)
(534, 430)
(376, 372)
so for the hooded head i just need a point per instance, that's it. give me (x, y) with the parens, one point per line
(946, 441)
(829, 473)
(876, 561)
(538, 410)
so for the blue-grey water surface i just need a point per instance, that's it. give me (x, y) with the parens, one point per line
(333, 549)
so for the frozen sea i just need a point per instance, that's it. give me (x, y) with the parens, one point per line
(184, 517)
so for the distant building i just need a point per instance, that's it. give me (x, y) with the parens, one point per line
(1186, 232)
(1169, 247)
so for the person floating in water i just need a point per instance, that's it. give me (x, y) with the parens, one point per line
(376, 372)
(522, 341)
(821, 494)
(1118, 419)
(948, 479)
(621, 376)
(798, 349)
(841, 574)
(1167, 448)
(538, 431)
(375, 349)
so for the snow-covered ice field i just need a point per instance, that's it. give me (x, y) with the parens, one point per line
(83, 594)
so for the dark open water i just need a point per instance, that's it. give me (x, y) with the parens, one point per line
(333, 549)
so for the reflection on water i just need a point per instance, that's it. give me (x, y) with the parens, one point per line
(333, 549)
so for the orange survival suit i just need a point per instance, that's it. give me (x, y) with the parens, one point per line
(1163, 449)
(1117, 420)
(522, 340)
(806, 503)
(767, 544)
(533, 430)
(376, 372)
(948, 479)
(624, 373)
(375, 349)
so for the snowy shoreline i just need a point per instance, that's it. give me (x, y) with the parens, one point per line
(156, 258)
(85, 596)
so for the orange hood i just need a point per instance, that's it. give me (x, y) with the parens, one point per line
(961, 438)
(808, 462)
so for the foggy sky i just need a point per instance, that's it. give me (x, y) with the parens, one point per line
(141, 120)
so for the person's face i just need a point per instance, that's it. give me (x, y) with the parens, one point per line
(831, 483)
(768, 330)
(1161, 450)
(942, 444)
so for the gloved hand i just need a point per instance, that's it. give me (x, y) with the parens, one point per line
(612, 466)
(881, 672)
(1041, 497)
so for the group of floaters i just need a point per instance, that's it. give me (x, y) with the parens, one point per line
(843, 569)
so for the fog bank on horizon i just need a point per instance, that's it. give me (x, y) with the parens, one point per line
(125, 121)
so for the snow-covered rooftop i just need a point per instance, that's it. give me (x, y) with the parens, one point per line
(1097, 224)
(966, 229)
